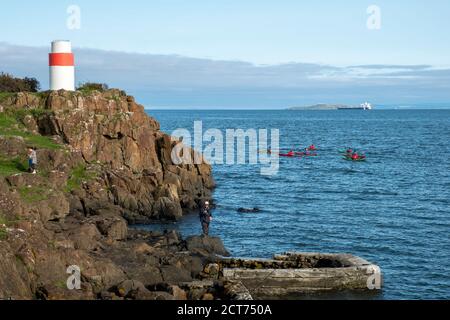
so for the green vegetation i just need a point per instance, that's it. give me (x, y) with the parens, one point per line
(11, 126)
(9, 83)
(10, 167)
(42, 94)
(79, 175)
(7, 121)
(61, 284)
(89, 87)
(5, 95)
(33, 194)
(20, 114)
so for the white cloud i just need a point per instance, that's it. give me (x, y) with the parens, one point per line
(172, 77)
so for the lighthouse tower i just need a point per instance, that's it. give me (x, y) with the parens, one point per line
(62, 66)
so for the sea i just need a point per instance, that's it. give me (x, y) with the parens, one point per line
(393, 209)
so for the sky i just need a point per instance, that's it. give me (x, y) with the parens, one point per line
(268, 54)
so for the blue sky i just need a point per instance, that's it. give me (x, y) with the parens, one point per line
(223, 48)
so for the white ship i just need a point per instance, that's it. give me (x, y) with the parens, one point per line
(366, 106)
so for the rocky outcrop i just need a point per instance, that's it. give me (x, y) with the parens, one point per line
(103, 164)
(132, 157)
(206, 246)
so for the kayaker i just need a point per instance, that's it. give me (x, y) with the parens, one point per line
(291, 153)
(312, 148)
(355, 156)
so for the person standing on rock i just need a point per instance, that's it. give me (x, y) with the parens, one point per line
(32, 160)
(205, 218)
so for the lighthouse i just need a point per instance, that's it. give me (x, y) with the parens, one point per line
(62, 66)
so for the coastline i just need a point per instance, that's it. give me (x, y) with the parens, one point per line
(104, 166)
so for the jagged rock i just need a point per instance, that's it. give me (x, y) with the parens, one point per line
(206, 245)
(207, 297)
(212, 270)
(175, 274)
(112, 129)
(130, 287)
(143, 248)
(85, 237)
(115, 228)
(178, 293)
(197, 289)
(112, 165)
(168, 208)
(13, 276)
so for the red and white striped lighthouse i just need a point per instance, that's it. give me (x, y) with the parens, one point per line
(62, 66)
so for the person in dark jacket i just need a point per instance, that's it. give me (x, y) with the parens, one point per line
(205, 218)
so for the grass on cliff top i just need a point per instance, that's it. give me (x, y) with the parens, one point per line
(10, 126)
(77, 177)
(5, 95)
(9, 167)
(40, 94)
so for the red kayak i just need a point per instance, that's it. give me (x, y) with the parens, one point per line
(304, 154)
(288, 155)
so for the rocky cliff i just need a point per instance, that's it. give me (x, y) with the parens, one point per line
(103, 163)
(126, 154)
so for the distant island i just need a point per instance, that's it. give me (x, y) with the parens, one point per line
(324, 106)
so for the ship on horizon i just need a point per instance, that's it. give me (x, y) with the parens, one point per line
(324, 106)
(362, 106)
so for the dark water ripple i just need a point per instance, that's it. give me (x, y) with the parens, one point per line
(393, 210)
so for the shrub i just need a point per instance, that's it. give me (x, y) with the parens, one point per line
(92, 86)
(9, 83)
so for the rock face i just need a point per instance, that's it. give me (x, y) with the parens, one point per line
(206, 246)
(103, 163)
(132, 155)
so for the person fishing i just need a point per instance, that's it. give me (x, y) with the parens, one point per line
(205, 218)
(32, 160)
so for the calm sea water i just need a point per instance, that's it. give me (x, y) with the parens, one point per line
(393, 210)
